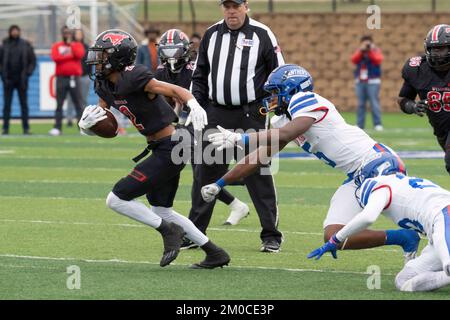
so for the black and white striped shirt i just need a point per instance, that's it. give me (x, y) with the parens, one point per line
(232, 66)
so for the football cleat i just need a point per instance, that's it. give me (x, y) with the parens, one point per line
(239, 211)
(172, 237)
(219, 258)
(271, 246)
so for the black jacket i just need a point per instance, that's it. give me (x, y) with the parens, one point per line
(25, 50)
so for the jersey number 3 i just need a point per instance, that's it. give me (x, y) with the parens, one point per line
(131, 116)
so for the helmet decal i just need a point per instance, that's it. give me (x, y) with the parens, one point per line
(115, 38)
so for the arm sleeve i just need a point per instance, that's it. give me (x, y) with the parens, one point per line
(77, 50)
(407, 91)
(199, 84)
(273, 56)
(377, 201)
(376, 56)
(32, 60)
(357, 56)
(135, 79)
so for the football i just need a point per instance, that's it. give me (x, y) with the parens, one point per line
(106, 128)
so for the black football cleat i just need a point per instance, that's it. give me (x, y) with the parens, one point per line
(219, 258)
(172, 238)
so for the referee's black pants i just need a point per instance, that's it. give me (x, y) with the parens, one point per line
(260, 187)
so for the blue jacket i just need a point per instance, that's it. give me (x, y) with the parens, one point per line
(144, 57)
(371, 60)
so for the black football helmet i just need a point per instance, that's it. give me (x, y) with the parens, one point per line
(113, 50)
(174, 49)
(438, 37)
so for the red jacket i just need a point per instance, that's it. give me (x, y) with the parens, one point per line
(68, 58)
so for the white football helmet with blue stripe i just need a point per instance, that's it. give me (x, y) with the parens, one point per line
(283, 83)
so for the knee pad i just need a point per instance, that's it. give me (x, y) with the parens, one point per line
(403, 276)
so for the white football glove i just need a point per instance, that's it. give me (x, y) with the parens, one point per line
(91, 115)
(224, 139)
(197, 115)
(210, 191)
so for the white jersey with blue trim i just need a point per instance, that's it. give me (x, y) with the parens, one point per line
(330, 138)
(414, 202)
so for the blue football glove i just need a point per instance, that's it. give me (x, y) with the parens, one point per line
(330, 246)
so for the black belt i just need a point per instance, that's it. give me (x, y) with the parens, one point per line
(150, 146)
(246, 107)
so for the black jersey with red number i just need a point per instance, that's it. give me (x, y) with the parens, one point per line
(182, 78)
(128, 96)
(432, 85)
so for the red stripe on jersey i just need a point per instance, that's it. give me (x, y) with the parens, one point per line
(390, 194)
(325, 109)
(139, 176)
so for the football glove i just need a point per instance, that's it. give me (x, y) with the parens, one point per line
(91, 115)
(419, 108)
(210, 191)
(330, 246)
(197, 115)
(224, 139)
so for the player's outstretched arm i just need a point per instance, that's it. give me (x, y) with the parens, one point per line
(197, 115)
(377, 201)
(227, 139)
(261, 156)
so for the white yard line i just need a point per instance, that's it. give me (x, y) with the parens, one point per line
(127, 225)
(155, 263)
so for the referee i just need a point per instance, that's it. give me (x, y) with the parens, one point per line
(235, 57)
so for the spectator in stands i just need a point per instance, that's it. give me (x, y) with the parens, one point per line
(195, 45)
(17, 62)
(148, 52)
(67, 55)
(367, 59)
(85, 82)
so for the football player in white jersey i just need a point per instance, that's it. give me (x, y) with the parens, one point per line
(313, 123)
(412, 203)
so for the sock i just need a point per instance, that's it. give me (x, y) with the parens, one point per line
(210, 247)
(235, 203)
(426, 281)
(191, 230)
(134, 210)
(407, 239)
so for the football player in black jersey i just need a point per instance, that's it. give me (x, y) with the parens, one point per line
(174, 50)
(429, 77)
(133, 90)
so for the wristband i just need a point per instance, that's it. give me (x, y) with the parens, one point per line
(245, 138)
(221, 183)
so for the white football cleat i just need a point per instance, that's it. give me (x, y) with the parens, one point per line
(54, 132)
(239, 210)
